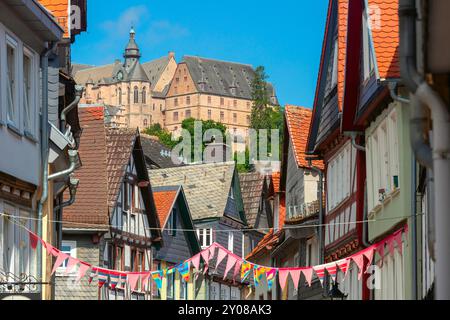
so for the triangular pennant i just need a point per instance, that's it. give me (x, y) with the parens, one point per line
(212, 252)
(359, 260)
(51, 250)
(230, 264)
(132, 279)
(220, 256)
(258, 271)
(82, 269)
(308, 273)
(72, 262)
(61, 257)
(380, 250)
(195, 260)
(33, 240)
(270, 276)
(237, 268)
(157, 276)
(391, 245)
(282, 277)
(114, 279)
(295, 275)
(92, 274)
(320, 272)
(102, 277)
(205, 255)
(183, 269)
(368, 253)
(246, 268)
(343, 265)
(145, 279)
(331, 269)
(399, 241)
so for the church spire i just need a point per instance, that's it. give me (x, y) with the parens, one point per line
(131, 53)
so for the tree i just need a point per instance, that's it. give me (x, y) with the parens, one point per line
(164, 136)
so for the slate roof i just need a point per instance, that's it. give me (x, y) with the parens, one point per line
(105, 153)
(386, 38)
(206, 186)
(220, 76)
(252, 185)
(156, 153)
(298, 120)
(164, 200)
(155, 68)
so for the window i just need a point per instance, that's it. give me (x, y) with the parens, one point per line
(153, 107)
(248, 119)
(383, 163)
(29, 89)
(145, 123)
(209, 100)
(235, 117)
(312, 252)
(222, 101)
(172, 223)
(188, 113)
(11, 83)
(170, 285)
(70, 248)
(175, 116)
(144, 95)
(209, 114)
(175, 89)
(248, 104)
(367, 47)
(175, 102)
(231, 241)
(119, 96)
(177, 79)
(235, 103)
(204, 237)
(222, 116)
(128, 95)
(136, 95)
(188, 100)
(183, 289)
(118, 263)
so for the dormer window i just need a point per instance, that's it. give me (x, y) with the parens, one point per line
(368, 59)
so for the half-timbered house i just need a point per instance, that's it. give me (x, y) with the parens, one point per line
(343, 162)
(214, 198)
(112, 223)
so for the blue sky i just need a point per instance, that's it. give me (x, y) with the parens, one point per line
(284, 36)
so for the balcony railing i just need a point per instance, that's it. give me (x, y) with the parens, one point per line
(14, 284)
(303, 211)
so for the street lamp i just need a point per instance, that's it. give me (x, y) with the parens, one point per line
(335, 293)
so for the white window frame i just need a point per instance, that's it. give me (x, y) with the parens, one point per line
(340, 176)
(231, 241)
(15, 44)
(201, 234)
(73, 253)
(30, 129)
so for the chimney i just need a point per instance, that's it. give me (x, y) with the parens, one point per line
(171, 54)
(216, 152)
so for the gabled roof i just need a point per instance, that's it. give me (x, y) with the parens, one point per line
(298, 120)
(157, 154)
(206, 186)
(164, 201)
(155, 68)
(252, 186)
(267, 244)
(385, 37)
(221, 76)
(326, 112)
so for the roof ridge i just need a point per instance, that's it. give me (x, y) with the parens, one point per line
(218, 60)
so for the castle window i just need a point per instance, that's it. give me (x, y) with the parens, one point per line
(128, 95)
(175, 102)
(209, 99)
(235, 103)
(175, 116)
(145, 123)
(222, 116)
(144, 95)
(119, 93)
(209, 114)
(188, 113)
(234, 117)
(222, 101)
(136, 95)
(188, 100)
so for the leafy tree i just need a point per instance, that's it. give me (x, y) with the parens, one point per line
(165, 137)
(243, 167)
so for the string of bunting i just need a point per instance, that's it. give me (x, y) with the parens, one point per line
(240, 266)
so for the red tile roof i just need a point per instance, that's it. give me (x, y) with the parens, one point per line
(59, 9)
(298, 121)
(91, 204)
(164, 201)
(276, 181)
(342, 48)
(267, 243)
(104, 154)
(282, 211)
(385, 34)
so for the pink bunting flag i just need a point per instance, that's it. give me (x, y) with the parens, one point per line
(380, 250)
(391, 245)
(61, 257)
(82, 271)
(195, 260)
(51, 250)
(295, 275)
(359, 260)
(343, 265)
(230, 264)
(220, 256)
(237, 269)
(132, 280)
(72, 262)
(320, 272)
(212, 252)
(331, 269)
(282, 277)
(205, 255)
(399, 241)
(33, 240)
(145, 279)
(368, 253)
(308, 273)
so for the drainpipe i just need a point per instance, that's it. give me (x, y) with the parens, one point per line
(73, 158)
(427, 97)
(72, 190)
(352, 135)
(44, 149)
(320, 196)
(414, 227)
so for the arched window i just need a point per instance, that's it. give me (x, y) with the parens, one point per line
(128, 95)
(119, 98)
(136, 95)
(144, 95)
(145, 123)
